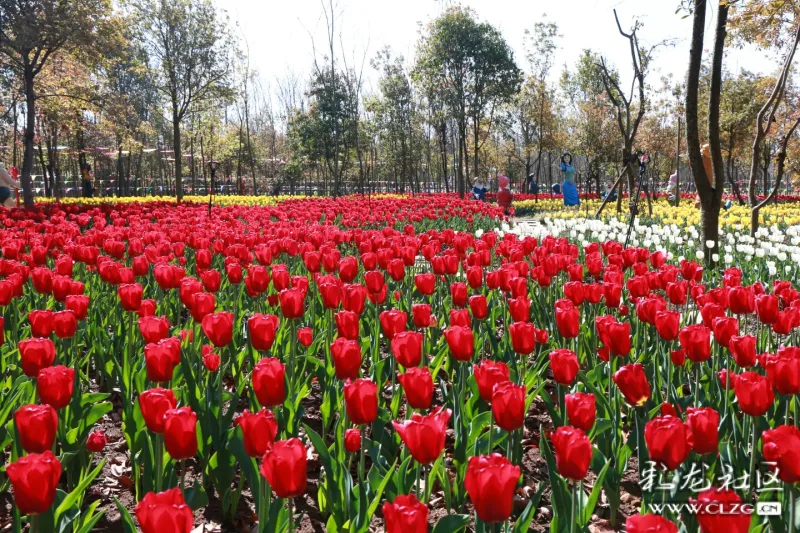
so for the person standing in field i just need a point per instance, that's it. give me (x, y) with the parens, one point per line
(504, 196)
(706, 152)
(569, 188)
(479, 189)
(87, 180)
(6, 184)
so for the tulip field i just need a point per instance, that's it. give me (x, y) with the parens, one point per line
(394, 364)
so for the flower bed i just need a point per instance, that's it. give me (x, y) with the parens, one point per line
(376, 364)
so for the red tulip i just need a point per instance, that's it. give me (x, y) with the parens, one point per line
(96, 441)
(305, 336)
(741, 300)
(418, 386)
(520, 309)
(726, 379)
(573, 291)
(218, 327)
(754, 393)
(421, 314)
(783, 370)
(406, 515)
(780, 448)
(676, 292)
(523, 337)
(180, 433)
(424, 435)
(649, 523)
(352, 440)
(361, 401)
(479, 307)
(581, 410)
(348, 325)
(719, 511)
(695, 339)
(565, 367)
(475, 277)
(36, 427)
(153, 404)
(567, 319)
(725, 328)
(767, 308)
(211, 280)
(461, 342)
(407, 348)
(210, 359)
(292, 303)
(161, 358)
(704, 423)
(55, 385)
(268, 382)
(153, 328)
(284, 467)
(508, 405)
(34, 479)
(78, 304)
(262, 330)
(353, 298)
(165, 511)
(148, 308)
(41, 322)
(632, 382)
(669, 441)
(346, 355)
(743, 350)
(36, 354)
(488, 374)
(678, 357)
(491, 481)
(573, 452)
(619, 338)
(393, 322)
(668, 324)
(259, 430)
(331, 295)
(42, 280)
(458, 293)
(130, 296)
(425, 283)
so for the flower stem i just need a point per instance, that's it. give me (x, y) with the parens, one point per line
(183, 477)
(419, 468)
(574, 514)
(753, 454)
(159, 460)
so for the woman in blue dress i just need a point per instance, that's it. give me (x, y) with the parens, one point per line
(570, 190)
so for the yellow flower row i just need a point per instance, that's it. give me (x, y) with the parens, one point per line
(664, 213)
(217, 200)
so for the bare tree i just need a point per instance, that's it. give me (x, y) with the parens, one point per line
(629, 108)
(764, 124)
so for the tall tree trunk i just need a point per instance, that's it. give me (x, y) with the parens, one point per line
(27, 158)
(176, 133)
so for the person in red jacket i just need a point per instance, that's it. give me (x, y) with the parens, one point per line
(504, 196)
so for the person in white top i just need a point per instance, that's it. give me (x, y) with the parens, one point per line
(6, 184)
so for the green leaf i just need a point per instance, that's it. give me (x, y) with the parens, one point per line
(88, 525)
(127, 520)
(196, 496)
(588, 509)
(74, 496)
(376, 500)
(523, 523)
(452, 523)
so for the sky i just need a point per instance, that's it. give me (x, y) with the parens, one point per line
(280, 32)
